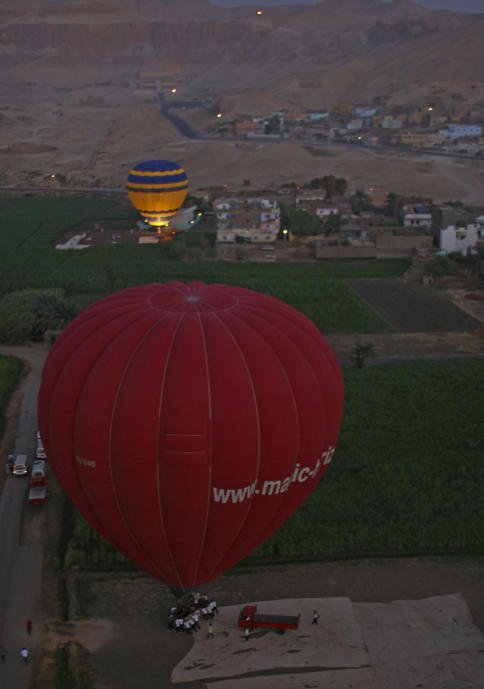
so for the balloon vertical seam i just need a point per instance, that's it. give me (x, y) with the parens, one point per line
(210, 449)
(254, 398)
(113, 412)
(290, 387)
(160, 404)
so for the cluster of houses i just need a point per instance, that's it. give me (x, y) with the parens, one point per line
(422, 227)
(428, 127)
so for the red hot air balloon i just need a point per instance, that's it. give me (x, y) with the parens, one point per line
(188, 421)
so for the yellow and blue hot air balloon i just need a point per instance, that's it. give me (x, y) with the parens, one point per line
(157, 188)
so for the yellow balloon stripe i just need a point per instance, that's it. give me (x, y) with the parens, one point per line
(157, 203)
(152, 173)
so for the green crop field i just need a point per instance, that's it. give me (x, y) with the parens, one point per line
(30, 226)
(406, 478)
(407, 474)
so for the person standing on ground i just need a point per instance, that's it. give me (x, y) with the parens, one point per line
(315, 617)
(29, 626)
(246, 633)
(25, 655)
(210, 631)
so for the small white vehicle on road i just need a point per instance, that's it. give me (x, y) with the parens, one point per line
(20, 465)
(40, 450)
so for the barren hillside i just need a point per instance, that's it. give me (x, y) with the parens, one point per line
(237, 49)
(72, 102)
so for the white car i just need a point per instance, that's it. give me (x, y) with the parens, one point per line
(40, 451)
(20, 465)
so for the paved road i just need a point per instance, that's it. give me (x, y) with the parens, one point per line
(20, 565)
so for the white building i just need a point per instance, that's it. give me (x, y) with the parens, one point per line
(420, 220)
(460, 239)
(326, 212)
(457, 131)
(254, 219)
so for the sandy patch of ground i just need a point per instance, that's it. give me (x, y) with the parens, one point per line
(94, 134)
(92, 634)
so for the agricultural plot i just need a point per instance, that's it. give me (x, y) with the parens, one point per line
(412, 309)
(407, 475)
(37, 222)
(30, 227)
(406, 478)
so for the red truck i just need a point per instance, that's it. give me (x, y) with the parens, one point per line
(249, 618)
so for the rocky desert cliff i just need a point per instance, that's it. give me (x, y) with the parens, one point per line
(343, 48)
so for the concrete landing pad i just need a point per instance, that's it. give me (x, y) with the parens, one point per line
(335, 642)
(412, 628)
(427, 643)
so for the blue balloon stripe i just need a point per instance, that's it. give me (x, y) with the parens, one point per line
(161, 166)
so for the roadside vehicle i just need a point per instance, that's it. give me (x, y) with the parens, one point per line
(37, 488)
(37, 475)
(40, 450)
(20, 465)
(249, 618)
(37, 494)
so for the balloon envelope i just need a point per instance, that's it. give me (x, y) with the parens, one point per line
(188, 421)
(157, 188)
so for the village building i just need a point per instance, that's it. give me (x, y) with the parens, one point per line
(390, 122)
(418, 220)
(421, 140)
(247, 219)
(461, 131)
(249, 126)
(461, 239)
(382, 243)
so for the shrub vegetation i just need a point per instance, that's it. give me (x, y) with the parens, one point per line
(27, 314)
(11, 370)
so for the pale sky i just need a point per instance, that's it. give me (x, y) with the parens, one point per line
(456, 5)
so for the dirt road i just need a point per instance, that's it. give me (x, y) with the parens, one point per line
(20, 562)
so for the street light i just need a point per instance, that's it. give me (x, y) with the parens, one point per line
(285, 232)
(173, 90)
(219, 115)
